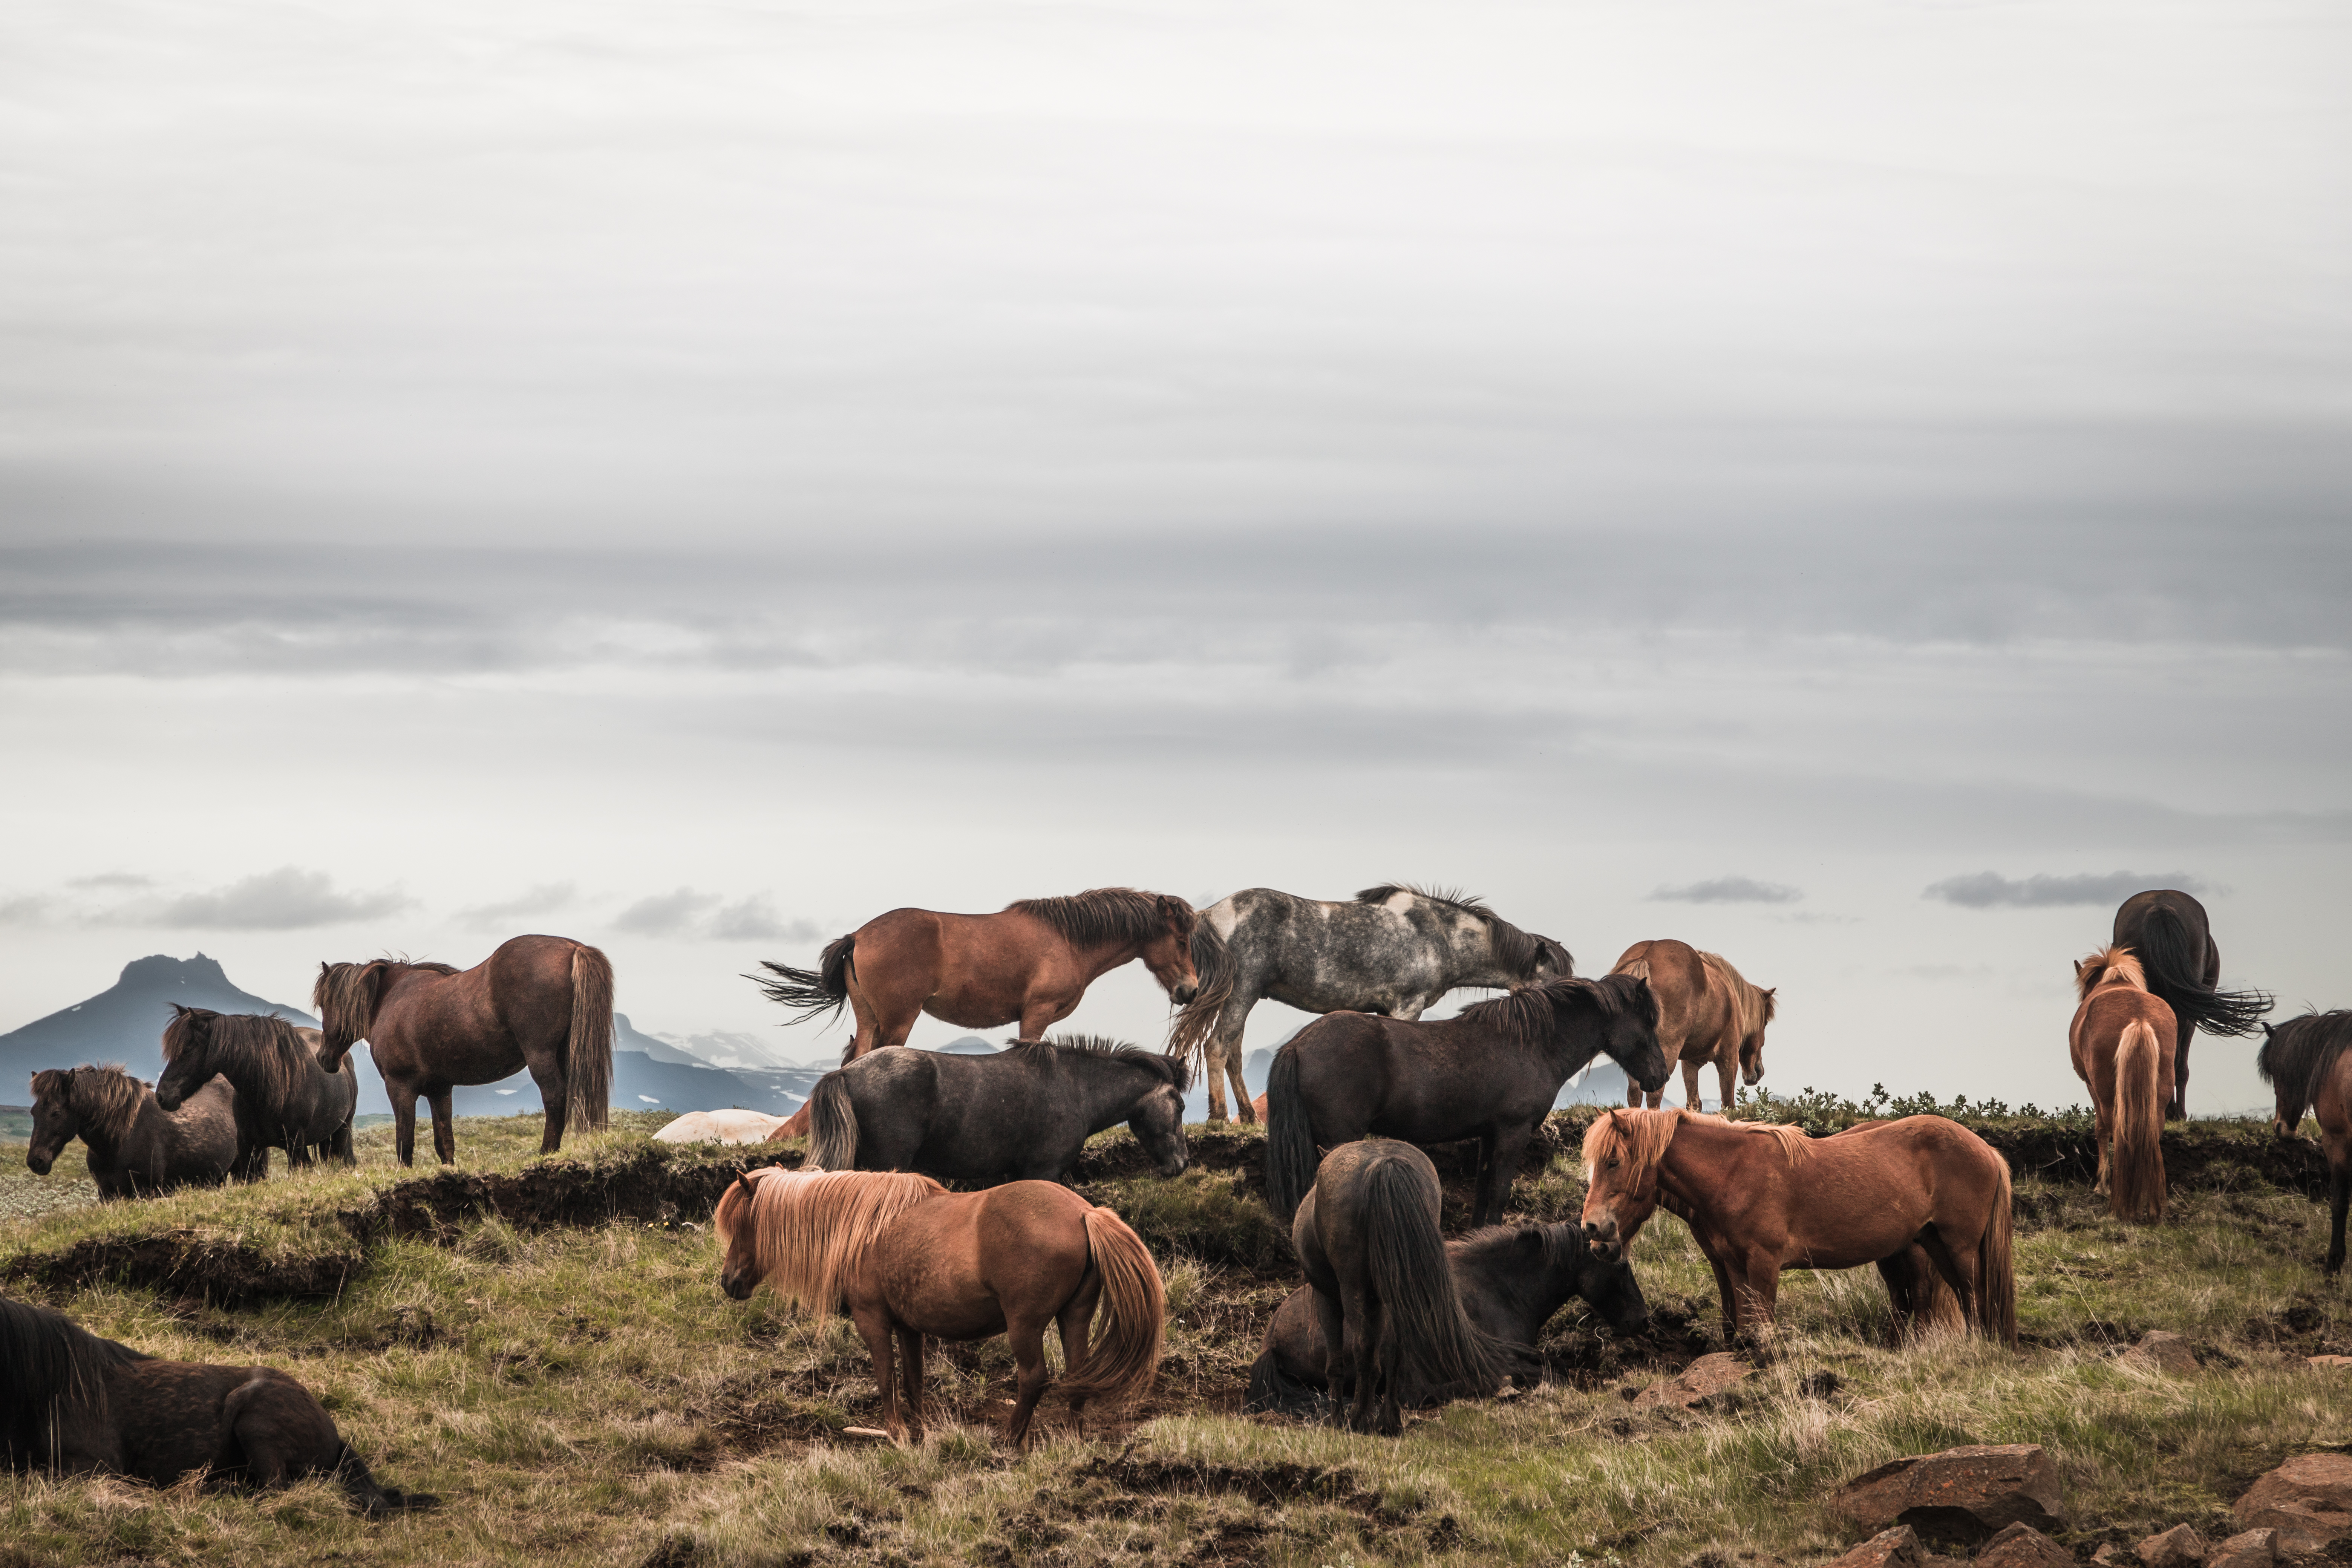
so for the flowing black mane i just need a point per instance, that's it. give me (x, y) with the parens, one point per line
(1532, 1014)
(1173, 1069)
(261, 1048)
(1102, 917)
(47, 1360)
(2299, 1052)
(1519, 952)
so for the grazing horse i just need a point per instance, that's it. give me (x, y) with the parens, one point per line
(1511, 1279)
(78, 1403)
(719, 1126)
(2121, 1041)
(1707, 1012)
(136, 1147)
(292, 1102)
(1491, 1073)
(1025, 1112)
(2307, 1060)
(1759, 1198)
(904, 1258)
(540, 1002)
(1393, 1323)
(2169, 930)
(1393, 951)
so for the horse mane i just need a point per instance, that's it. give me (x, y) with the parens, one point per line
(107, 1097)
(47, 1360)
(1173, 1069)
(263, 1043)
(1105, 917)
(344, 994)
(1641, 1137)
(2112, 965)
(1753, 1005)
(1516, 951)
(2299, 1052)
(809, 1228)
(1557, 1240)
(1530, 1014)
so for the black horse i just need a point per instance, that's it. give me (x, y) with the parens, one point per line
(290, 1101)
(2167, 930)
(78, 1403)
(1491, 1073)
(1023, 1113)
(1384, 1302)
(1511, 1279)
(2308, 1061)
(136, 1147)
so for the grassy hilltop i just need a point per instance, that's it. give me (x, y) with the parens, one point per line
(543, 1343)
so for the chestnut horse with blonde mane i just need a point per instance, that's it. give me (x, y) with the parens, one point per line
(1707, 1012)
(1759, 1197)
(1029, 963)
(902, 1256)
(2121, 1041)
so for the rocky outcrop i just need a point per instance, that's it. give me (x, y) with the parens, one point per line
(2308, 1501)
(2020, 1545)
(1701, 1381)
(1895, 1548)
(2179, 1547)
(1965, 1494)
(2248, 1549)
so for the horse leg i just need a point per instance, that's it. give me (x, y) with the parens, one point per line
(1726, 1072)
(1028, 1337)
(1075, 1317)
(1760, 1297)
(1241, 1106)
(1362, 1331)
(1958, 1267)
(1500, 1157)
(2178, 1109)
(1728, 1295)
(2102, 1130)
(1337, 1373)
(910, 1377)
(2342, 1201)
(1690, 1085)
(874, 1326)
(403, 1119)
(444, 1131)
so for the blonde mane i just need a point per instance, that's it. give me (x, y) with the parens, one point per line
(1641, 1138)
(809, 1228)
(1752, 1006)
(2112, 965)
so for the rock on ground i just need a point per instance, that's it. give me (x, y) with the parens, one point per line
(2165, 1352)
(1896, 1548)
(1704, 1378)
(2020, 1545)
(2308, 1501)
(2248, 1549)
(2179, 1547)
(1972, 1491)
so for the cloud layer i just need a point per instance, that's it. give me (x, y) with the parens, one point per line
(1990, 889)
(1730, 890)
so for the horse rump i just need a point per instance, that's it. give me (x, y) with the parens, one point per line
(1438, 1346)
(2135, 1171)
(1289, 1136)
(833, 1125)
(1121, 1365)
(2174, 963)
(811, 993)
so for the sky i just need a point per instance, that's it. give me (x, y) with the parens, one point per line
(1856, 486)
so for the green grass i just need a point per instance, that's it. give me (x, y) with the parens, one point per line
(587, 1395)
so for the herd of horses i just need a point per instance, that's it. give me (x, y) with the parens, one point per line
(1389, 1314)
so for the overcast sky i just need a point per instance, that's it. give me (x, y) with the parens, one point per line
(1859, 487)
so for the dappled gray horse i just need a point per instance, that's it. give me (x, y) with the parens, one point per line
(1394, 950)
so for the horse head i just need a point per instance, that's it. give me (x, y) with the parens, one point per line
(1609, 1287)
(1622, 1150)
(55, 1122)
(1631, 1031)
(187, 1055)
(1751, 1048)
(740, 1270)
(1168, 952)
(1159, 1119)
(346, 996)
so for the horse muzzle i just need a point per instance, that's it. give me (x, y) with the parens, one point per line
(738, 1287)
(38, 1163)
(1182, 994)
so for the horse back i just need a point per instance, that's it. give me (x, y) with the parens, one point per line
(1423, 1082)
(1693, 1004)
(179, 1416)
(197, 1142)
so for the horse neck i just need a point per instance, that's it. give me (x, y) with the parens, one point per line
(1682, 1187)
(1470, 960)
(1097, 962)
(1108, 1090)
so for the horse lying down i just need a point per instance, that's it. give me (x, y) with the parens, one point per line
(719, 1126)
(78, 1403)
(1511, 1279)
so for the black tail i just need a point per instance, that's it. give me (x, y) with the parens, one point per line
(2174, 963)
(1289, 1137)
(1212, 968)
(1272, 1389)
(833, 1125)
(373, 1497)
(1441, 1351)
(812, 993)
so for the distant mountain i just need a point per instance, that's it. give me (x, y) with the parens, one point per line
(965, 1045)
(125, 1021)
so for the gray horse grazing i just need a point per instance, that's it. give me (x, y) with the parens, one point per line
(1023, 1113)
(1393, 951)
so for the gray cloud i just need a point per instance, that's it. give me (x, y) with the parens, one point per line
(1990, 889)
(755, 920)
(1731, 891)
(111, 880)
(545, 898)
(288, 898)
(26, 910)
(664, 914)
(709, 917)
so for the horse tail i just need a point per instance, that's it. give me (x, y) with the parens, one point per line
(1289, 1136)
(2135, 1175)
(1271, 1388)
(1213, 970)
(812, 993)
(833, 1125)
(1996, 1271)
(1405, 1256)
(2174, 963)
(1122, 1362)
(588, 1054)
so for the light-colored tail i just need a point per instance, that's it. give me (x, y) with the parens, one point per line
(1996, 1271)
(833, 1124)
(1124, 1358)
(2136, 1174)
(588, 1055)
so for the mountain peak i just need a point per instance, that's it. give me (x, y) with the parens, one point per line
(163, 969)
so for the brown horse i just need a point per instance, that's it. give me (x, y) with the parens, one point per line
(1029, 965)
(904, 1258)
(1760, 1197)
(1707, 1012)
(2121, 1040)
(2307, 1060)
(136, 1147)
(540, 1002)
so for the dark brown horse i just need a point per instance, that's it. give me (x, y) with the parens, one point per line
(1490, 1073)
(136, 1147)
(2121, 1043)
(2167, 930)
(1759, 1198)
(1707, 1012)
(78, 1403)
(905, 1257)
(290, 1100)
(1029, 964)
(1393, 1329)
(540, 1002)
(2307, 1061)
